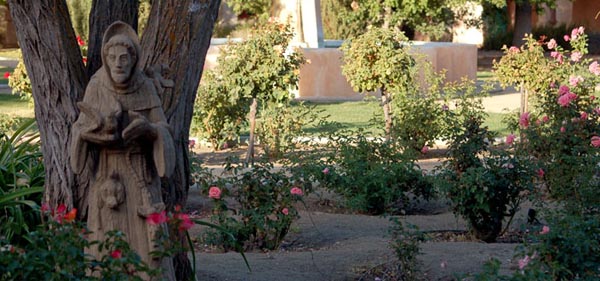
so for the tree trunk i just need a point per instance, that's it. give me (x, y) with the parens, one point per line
(58, 80)
(522, 22)
(177, 35)
(103, 14)
(387, 113)
(252, 117)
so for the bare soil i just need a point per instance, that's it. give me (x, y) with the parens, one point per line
(330, 243)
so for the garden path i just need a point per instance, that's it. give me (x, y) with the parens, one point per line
(325, 244)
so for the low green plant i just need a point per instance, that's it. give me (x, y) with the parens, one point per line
(280, 125)
(372, 175)
(405, 243)
(21, 182)
(265, 207)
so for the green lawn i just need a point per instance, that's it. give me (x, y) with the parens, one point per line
(13, 105)
(356, 115)
(14, 53)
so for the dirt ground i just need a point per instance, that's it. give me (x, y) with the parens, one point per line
(328, 243)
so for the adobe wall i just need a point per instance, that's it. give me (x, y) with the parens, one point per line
(322, 79)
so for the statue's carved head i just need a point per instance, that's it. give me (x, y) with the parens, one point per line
(120, 52)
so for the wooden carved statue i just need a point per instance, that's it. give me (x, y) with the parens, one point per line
(122, 127)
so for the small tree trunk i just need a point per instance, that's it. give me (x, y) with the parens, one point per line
(55, 68)
(522, 22)
(387, 17)
(252, 117)
(387, 113)
(524, 99)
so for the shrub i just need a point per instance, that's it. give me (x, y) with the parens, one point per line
(561, 128)
(56, 251)
(264, 210)
(483, 188)
(19, 82)
(21, 182)
(218, 116)
(279, 126)
(372, 175)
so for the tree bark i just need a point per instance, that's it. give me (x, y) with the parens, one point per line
(55, 68)
(178, 35)
(252, 117)
(523, 25)
(103, 14)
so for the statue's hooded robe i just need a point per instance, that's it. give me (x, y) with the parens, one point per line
(126, 187)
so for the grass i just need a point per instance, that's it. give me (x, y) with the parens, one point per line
(10, 53)
(346, 115)
(357, 115)
(13, 105)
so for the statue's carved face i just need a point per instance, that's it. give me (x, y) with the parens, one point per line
(120, 62)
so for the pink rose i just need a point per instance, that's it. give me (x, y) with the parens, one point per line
(583, 115)
(116, 254)
(567, 38)
(562, 129)
(556, 55)
(563, 89)
(597, 110)
(576, 32)
(524, 120)
(185, 222)
(566, 99)
(545, 118)
(326, 171)
(551, 44)
(214, 192)
(157, 218)
(595, 68)
(575, 80)
(510, 139)
(285, 211)
(595, 141)
(296, 191)
(425, 149)
(524, 261)
(540, 172)
(545, 230)
(576, 56)
(514, 49)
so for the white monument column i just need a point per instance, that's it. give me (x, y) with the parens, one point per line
(312, 27)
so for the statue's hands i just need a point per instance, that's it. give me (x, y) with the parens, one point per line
(101, 130)
(139, 127)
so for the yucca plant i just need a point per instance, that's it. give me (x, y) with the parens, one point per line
(21, 181)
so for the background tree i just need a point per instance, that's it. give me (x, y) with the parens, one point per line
(260, 70)
(378, 61)
(177, 35)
